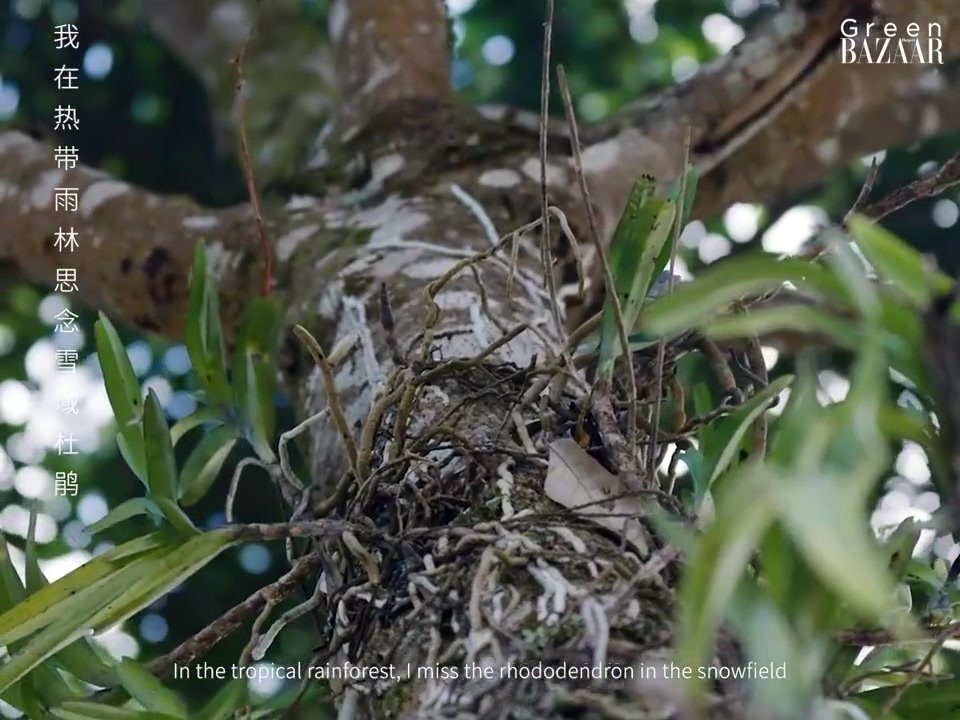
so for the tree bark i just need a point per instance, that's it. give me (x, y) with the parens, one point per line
(475, 565)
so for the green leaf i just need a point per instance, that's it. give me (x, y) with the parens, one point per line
(899, 546)
(686, 207)
(254, 375)
(148, 690)
(636, 245)
(822, 514)
(203, 335)
(111, 600)
(897, 262)
(766, 321)
(194, 420)
(161, 462)
(86, 710)
(715, 568)
(936, 700)
(42, 607)
(123, 391)
(230, 698)
(71, 621)
(132, 450)
(694, 304)
(202, 467)
(11, 586)
(120, 380)
(165, 573)
(81, 659)
(729, 432)
(177, 518)
(124, 511)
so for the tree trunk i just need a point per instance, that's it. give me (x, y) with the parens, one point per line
(477, 568)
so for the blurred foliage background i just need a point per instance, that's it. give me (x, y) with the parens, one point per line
(143, 117)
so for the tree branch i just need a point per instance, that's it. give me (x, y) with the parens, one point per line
(200, 644)
(775, 106)
(290, 88)
(388, 52)
(784, 162)
(134, 249)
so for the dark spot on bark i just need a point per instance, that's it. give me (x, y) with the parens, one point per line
(161, 275)
(147, 323)
(290, 358)
(49, 243)
(125, 265)
(169, 283)
(155, 261)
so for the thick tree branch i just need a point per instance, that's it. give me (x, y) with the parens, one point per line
(779, 101)
(781, 163)
(134, 249)
(388, 52)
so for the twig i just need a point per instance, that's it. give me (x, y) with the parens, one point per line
(938, 642)
(662, 344)
(865, 190)
(285, 468)
(946, 177)
(601, 253)
(265, 244)
(266, 532)
(546, 252)
(262, 644)
(201, 643)
(235, 484)
(330, 387)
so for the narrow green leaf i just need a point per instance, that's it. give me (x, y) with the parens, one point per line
(124, 511)
(724, 283)
(662, 214)
(730, 430)
(636, 245)
(149, 691)
(715, 568)
(203, 335)
(139, 546)
(112, 600)
(11, 586)
(850, 269)
(230, 698)
(204, 463)
(685, 206)
(72, 621)
(195, 331)
(123, 391)
(194, 420)
(177, 518)
(49, 687)
(86, 710)
(165, 573)
(120, 380)
(161, 462)
(935, 700)
(132, 450)
(42, 607)
(81, 659)
(897, 262)
(819, 512)
(899, 546)
(767, 321)
(254, 376)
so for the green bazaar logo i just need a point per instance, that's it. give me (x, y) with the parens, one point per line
(889, 44)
